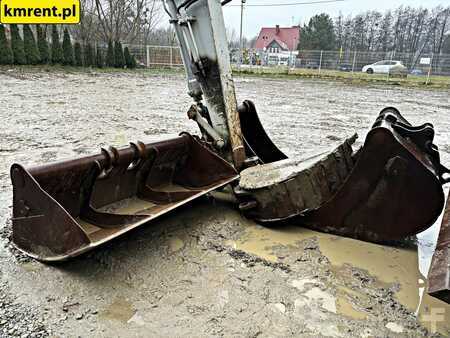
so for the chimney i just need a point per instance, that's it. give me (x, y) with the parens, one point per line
(277, 28)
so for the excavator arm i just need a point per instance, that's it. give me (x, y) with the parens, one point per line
(200, 28)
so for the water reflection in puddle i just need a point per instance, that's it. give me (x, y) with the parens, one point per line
(404, 267)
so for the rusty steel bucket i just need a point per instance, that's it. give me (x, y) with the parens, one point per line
(63, 209)
(389, 189)
(439, 275)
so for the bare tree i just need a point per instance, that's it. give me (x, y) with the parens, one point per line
(405, 29)
(163, 37)
(87, 30)
(127, 20)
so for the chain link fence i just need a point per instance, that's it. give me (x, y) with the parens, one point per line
(157, 56)
(416, 63)
(345, 61)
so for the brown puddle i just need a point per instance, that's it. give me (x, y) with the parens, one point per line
(345, 308)
(175, 244)
(31, 266)
(120, 310)
(387, 264)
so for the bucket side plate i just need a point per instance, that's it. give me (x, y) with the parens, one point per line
(439, 275)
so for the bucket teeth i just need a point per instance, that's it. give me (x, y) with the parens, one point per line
(64, 209)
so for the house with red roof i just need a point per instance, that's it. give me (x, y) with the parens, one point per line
(278, 39)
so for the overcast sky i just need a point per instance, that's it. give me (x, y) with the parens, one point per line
(256, 17)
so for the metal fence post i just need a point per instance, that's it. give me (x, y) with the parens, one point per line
(148, 56)
(354, 62)
(320, 62)
(429, 69)
(389, 72)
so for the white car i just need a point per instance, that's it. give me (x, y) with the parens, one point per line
(383, 67)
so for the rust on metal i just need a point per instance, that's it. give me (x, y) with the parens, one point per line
(257, 143)
(388, 190)
(439, 275)
(287, 188)
(64, 209)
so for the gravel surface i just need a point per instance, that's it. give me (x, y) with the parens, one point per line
(183, 276)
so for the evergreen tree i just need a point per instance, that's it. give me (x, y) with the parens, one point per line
(67, 49)
(30, 47)
(57, 55)
(17, 46)
(446, 45)
(133, 62)
(42, 45)
(318, 34)
(6, 54)
(88, 56)
(78, 55)
(118, 55)
(110, 55)
(99, 58)
(128, 58)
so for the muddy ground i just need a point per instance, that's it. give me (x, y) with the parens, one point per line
(204, 271)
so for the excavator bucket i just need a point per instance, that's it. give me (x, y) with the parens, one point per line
(63, 209)
(439, 275)
(389, 189)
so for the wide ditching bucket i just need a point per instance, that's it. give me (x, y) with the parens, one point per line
(63, 209)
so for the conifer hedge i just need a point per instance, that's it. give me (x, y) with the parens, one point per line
(29, 46)
(99, 58)
(68, 58)
(17, 46)
(78, 54)
(89, 56)
(110, 55)
(57, 55)
(129, 59)
(42, 45)
(6, 54)
(33, 50)
(118, 55)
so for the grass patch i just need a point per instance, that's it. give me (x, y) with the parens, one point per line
(439, 82)
(86, 70)
(358, 78)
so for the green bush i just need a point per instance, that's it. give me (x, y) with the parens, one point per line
(78, 55)
(30, 47)
(89, 59)
(118, 55)
(67, 49)
(99, 58)
(57, 55)
(17, 46)
(6, 54)
(42, 45)
(110, 55)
